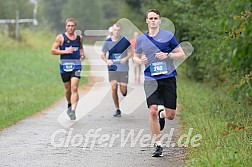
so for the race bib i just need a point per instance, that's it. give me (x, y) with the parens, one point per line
(116, 57)
(158, 68)
(68, 67)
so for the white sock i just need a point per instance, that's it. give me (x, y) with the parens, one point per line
(158, 143)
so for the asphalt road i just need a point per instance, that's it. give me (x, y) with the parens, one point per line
(96, 138)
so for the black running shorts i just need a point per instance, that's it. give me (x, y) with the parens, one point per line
(66, 77)
(161, 92)
(119, 76)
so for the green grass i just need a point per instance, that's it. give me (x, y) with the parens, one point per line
(30, 79)
(225, 126)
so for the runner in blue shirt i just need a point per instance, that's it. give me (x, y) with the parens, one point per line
(157, 49)
(70, 48)
(118, 49)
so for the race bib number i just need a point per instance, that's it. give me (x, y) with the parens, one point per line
(68, 67)
(158, 68)
(116, 57)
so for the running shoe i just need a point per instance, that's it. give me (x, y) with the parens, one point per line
(158, 151)
(69, 111)
(117, 113)
(72, 115)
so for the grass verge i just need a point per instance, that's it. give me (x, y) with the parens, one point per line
(30, 79)
(224, 124)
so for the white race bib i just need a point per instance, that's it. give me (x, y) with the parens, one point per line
(158, 68)
(116, 57)
(68, 67)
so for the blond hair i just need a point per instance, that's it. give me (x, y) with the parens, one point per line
(71, 19)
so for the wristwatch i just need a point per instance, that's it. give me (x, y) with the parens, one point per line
(168, 56)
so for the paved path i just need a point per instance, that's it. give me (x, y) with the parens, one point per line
(96, 138)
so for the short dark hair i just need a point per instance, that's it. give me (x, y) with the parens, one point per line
(153, 10)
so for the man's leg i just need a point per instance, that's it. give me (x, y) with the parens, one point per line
(74, 97)
(114, 86)
(154, 125)
(168, 114)
(152, 99)
(66, 78)
(170, 99)
(165, 113)
(155, 128)
(74, 92)
(123, 88)
(67, 86)
(123, 79)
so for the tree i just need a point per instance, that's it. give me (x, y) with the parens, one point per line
(8, 9)
(89, 15)
(52, 13)
(221, 34)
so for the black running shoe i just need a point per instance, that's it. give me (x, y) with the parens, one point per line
(161, 120)
(158, 151)
(117, 113)
(72, 115)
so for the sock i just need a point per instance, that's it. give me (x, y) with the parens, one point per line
(124, 94)
(69, 105)
(158, 143)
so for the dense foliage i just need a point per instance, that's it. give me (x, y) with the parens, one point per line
(220, 31)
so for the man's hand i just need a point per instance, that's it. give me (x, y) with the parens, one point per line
(144, 59)
(123, 60)
(69, 50)
(140, 59)
(161, 55)
(109, 62)
(82, 57)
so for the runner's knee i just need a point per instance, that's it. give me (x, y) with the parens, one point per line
(114, 87)
(153, 111)
(74, 88)
(170, 114)
(171, 117)
(68, 90)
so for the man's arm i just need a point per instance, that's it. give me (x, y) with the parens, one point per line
(125, 59)
(107, 61)
(140, 59)
(129, 54)
(57, 43)
(176, 53)
(82, 56)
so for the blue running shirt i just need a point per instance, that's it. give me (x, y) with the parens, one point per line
(164, 41)
(70, 62)
(117, 50)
